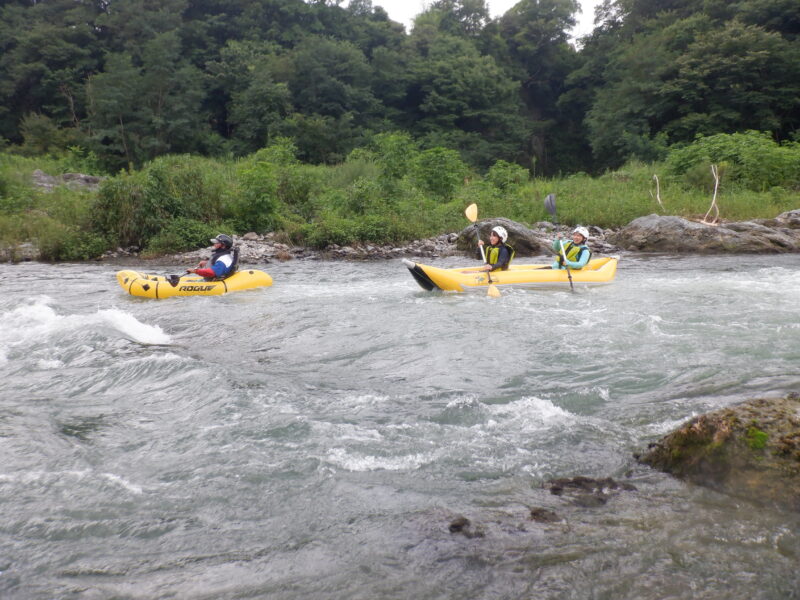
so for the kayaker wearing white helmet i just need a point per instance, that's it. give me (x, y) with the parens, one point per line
(577, 252)
(498, 253)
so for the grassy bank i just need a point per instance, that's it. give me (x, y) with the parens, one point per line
(391, 192)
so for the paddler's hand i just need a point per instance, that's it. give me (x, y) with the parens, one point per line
(480, 242)
(190, 270)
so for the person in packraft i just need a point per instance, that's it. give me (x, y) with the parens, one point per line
(498, 253)
(576, 252)
(222, 262)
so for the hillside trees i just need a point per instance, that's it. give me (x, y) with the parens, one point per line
(679, 76)
(537, 53)
(136, 113)
(131, 80)
(47, 50)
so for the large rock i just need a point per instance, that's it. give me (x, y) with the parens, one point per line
(72, 180)
(526, 242)
(751, 450)
(655, 233)
(26, 251)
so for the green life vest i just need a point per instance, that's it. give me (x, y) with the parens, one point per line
(493, 254)
(573, 252)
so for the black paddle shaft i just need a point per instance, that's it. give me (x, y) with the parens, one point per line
(550, 205)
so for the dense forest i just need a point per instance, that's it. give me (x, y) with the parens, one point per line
(331, 123)
(130, 80)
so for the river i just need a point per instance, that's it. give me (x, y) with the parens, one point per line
(316, 439)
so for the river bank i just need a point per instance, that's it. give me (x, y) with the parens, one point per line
(652, 233)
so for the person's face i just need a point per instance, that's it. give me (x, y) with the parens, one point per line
(577, 238)
(494, 238)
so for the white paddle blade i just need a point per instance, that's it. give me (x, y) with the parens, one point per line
(472, 212)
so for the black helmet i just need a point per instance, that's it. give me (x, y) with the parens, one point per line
(223, 239)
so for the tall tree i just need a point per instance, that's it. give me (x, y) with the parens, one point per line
(140, 112)
(459, 98)
(540, 56)
(46, 51)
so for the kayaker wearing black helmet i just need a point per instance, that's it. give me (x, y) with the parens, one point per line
(222, 262)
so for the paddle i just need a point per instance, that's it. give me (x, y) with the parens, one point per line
(550, 205)
(471, 213)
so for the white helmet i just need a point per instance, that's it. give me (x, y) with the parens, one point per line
(583, 231)
(501, 233)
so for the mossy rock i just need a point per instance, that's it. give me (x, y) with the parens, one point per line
(750, 450)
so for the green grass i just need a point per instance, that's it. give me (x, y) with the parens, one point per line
(361, 200)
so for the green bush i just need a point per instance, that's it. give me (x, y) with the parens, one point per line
(332, 228)
(131, 208)
(754, 159)
(439, 171)
(253, 202)
(504, 175)
(180, 235)
(56, 241)
(395, 153)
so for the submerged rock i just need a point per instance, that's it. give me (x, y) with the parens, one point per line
(751, 450)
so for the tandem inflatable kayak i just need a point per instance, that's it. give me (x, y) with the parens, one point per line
(158, 286)
(597, 271)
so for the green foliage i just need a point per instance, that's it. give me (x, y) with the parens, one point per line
(253, 201)
(439, 171)
(504, 175)
(332, 228)
(132, 208)
(394, 153)
(43, 136)
(56, 241)
(61, 244)
(754, 160)
(180, 235)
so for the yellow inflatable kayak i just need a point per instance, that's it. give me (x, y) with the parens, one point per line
(597, 271)
(158, 286)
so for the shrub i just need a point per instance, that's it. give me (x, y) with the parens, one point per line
(439, 171)
(395, 153)
(131, 208)
(181, 235)
(252, 203)
(504, 175)
(332, 228)
(755, 160)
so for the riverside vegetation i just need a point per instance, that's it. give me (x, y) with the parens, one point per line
(388, 192)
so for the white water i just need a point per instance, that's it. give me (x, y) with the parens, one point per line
(316, 438)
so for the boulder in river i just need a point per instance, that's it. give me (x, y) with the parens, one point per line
(751, 450)
(526, 242)
(655, 233)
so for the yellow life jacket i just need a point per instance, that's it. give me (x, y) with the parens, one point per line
(573, 252)
(493, 254)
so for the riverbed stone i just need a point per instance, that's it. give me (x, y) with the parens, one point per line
(751, 450)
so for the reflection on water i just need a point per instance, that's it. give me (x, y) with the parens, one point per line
(317, 438)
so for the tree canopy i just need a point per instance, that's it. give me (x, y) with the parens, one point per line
(132, 80)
